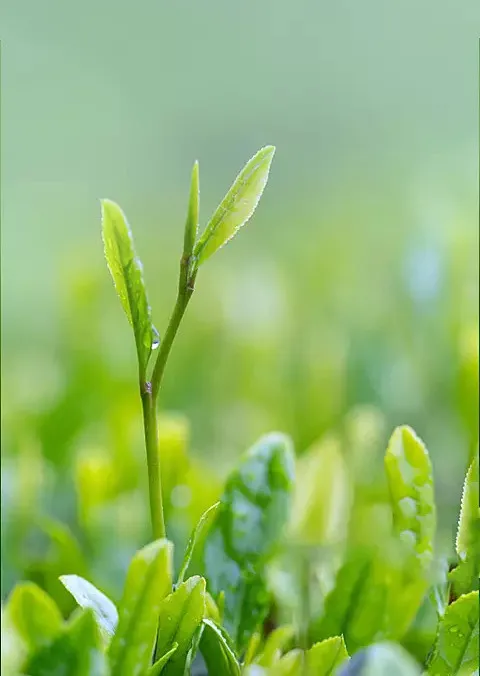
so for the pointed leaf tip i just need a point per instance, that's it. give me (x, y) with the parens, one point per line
(237, 206)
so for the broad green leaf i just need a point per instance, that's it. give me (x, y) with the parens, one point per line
(156, 669)
(465, 576)
(179, 617)
(456, 648)
(381, 659)
(149, 580)
(355, 606)
(88, 596)
(322, 495)
(127, 273)
(202, 526)
(324, 659)
(248, 524)
(275, 645)
(191, 225)
(237, 206)
(217, 651)
(76, 652)
(33, 615)
(410, 483)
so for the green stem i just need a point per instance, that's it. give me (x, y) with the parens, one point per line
(149, 394)
(153, 463)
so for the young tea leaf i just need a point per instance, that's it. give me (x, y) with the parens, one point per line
(237, 206)
(410, 483)
(33, 615)
(77, 651)
(355, 606)
(179, 617)
(465, 577)
(275, 645)
(456, 648)
(203, 524)
(127, 274)
(156, 669)
(252, 514)
(88, 596)
(323, 659)
(217, 652)
(149, 580)
(191, 225)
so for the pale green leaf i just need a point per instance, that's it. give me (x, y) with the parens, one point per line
(77, 651)
(179, 617)
(149, 580)
(324, 659)
(465, 576)
(237, 206)
(457, 645)
(88, 596)
(191, 225)
(127, 274)
(202, 527)
(275, 645)
(156, 669)
(33, 615)
(410, 483)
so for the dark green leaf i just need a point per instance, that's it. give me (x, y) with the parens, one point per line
(237, 206)
(127, 273)
(76, 652)
(33, 615)
(253, 511)
(456, 647)
(180, 614)
(88, 596)
(217, 651)
(149, 580)
(202, 526)
(410, 482)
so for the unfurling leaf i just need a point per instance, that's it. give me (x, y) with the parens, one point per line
(217, 651)
(456, 647)
(149, 580)
(179, 617)
(88, 596)
(237, 206)
(127, 274)
(253, 511)
(410, 483)
(191, 225)
(203, 524)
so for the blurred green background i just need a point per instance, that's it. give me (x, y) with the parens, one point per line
(347, 306)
